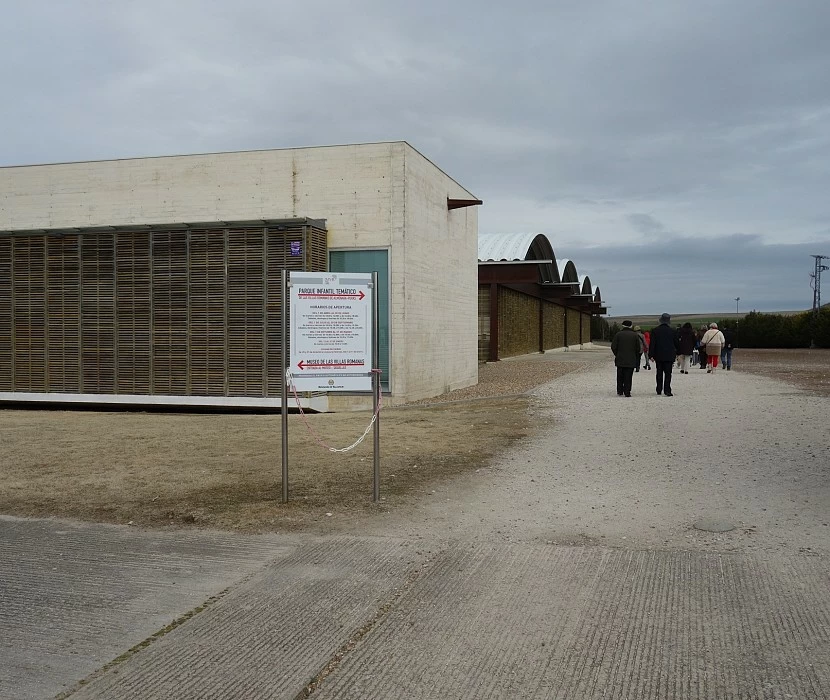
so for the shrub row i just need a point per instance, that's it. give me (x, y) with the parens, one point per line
(759, 330)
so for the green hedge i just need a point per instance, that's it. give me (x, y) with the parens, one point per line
(757, 330)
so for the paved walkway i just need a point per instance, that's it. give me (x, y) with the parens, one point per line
(572, 568)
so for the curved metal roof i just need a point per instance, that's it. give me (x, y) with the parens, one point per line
(527, 247)
(512, 247)
(567, 271)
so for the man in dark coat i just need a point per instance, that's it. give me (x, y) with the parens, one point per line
(663, 350)
(627, 348)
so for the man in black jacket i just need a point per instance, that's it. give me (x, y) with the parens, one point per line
(726, 350)
(663, 350)
(627, 348)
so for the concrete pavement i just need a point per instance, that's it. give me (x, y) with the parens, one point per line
(572, 568)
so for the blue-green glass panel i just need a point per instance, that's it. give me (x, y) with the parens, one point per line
(370, 261)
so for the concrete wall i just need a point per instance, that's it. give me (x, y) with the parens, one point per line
(383, 195)
(354, 184)
(438, 293)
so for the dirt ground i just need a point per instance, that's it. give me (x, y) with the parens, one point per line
(224, 470)
(807, 369)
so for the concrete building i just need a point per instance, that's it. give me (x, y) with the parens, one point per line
(168, 265)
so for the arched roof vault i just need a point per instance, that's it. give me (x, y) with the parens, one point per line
(567, 272)
(511, 247)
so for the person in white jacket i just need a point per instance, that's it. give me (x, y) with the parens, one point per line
(711, 343)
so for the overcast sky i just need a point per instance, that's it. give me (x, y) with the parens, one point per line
(678, 152)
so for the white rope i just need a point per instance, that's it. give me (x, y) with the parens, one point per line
(290, 379)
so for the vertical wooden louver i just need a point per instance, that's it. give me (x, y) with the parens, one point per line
(97, 313)
(170, 301)
(133, 312)
(246, 312)
(29, 313)
(208, 333)
(174, 312)
(63, 290)
(6, 316)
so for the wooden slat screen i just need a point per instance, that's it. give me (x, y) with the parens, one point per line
(29, 313)
(246, 312)
(63, 275)
(208, 310)
(170, 312)
(6, 323)
(284, 248)
(133, 312)
(97, 313)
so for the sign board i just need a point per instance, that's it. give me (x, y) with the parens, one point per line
(331, 331)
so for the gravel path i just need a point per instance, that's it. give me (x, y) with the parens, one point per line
(641, 472)
(516, 375)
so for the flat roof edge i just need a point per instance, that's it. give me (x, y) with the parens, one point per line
(177, 225)
(206, 153)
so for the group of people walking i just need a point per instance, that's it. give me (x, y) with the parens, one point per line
(667, 347)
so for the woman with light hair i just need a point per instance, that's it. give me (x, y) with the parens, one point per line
(711, 343)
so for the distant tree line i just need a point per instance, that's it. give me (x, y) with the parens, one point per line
(759, 330)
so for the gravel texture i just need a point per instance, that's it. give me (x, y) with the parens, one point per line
(517, 375)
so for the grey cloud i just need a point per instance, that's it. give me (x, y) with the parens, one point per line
(692, 275)
(647, 225)
(708, 117)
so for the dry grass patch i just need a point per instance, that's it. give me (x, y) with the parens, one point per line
(224, 471)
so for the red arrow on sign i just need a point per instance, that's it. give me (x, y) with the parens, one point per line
(359, 296)
(303, 365)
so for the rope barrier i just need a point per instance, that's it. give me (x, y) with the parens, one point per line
(290, 379)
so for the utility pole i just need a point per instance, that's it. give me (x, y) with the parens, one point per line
(737, 319)
(815, 282)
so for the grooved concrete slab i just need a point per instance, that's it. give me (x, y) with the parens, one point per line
(272, 634)
(517, 621)
(74, 596)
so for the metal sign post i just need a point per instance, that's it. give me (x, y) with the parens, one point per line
(375, 389)
(333, 345)
(284, 404)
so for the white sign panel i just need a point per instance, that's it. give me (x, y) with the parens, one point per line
(331, 331)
